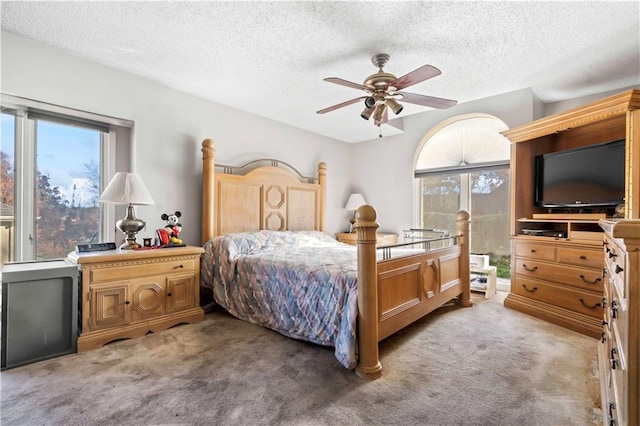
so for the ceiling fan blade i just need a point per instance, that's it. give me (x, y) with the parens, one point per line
(424, 100)
(340, 105)
(423, 73)
(343, 82)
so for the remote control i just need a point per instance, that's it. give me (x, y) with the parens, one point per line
(85, 248)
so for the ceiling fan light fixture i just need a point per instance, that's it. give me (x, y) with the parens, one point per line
(395, 106)
(379, 112)
(366, 114)
(370, 102)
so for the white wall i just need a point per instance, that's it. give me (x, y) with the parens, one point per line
(556, 107)
(170, 127)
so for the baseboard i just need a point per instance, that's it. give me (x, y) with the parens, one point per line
(580, 323)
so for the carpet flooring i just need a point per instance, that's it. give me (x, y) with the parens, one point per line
(485, 365)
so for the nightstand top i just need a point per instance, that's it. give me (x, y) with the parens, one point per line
(354, 235)
(119, 255)
(382, 238)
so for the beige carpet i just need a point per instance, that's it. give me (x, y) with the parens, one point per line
(485, 365)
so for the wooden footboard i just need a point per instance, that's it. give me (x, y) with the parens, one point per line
(394, 293)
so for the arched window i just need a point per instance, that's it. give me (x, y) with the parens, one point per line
(463, 163)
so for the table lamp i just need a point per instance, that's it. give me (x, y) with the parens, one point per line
(355, 200)
(128, 188)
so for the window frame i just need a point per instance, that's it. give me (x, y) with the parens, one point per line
(25, 165)
(464, 170)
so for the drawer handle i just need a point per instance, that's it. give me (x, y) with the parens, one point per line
(603, 337)
(614, 309)
(613, 358)
(180, 266)
(126, 302)
(590, 282)
(583, 257)
(589, 306)
(169, 294)
(612, 254)
(526, 268)
(612, 407)
(530, 291)
(533, 250)
(619, 269)
(604, 302)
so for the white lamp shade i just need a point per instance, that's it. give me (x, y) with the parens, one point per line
(355, 200)
(126, 188)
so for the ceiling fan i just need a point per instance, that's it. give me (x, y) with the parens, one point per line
(383, 91)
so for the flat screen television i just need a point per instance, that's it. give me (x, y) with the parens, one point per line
(591, 176)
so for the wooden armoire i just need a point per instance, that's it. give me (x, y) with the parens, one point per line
(561, 275)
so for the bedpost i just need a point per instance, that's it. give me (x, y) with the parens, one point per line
(208, 170)
(369, 366)
(465, 274)
(322, 181)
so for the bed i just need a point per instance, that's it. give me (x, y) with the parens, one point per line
(269, 261)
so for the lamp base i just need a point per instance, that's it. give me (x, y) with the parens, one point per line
(129, 245)
(130, 226)
(353, 222)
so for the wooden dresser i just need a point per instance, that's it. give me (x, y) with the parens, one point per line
(619, 349)
(382, 238)
(555, 261)
(560, 277)
(127, 293)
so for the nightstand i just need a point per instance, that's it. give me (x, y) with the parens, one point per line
(127, 293)
(382, 238)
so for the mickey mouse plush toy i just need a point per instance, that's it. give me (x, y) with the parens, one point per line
(169, 234)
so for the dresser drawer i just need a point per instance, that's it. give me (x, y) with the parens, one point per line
(617, 314)
(588, 279)
(578, 301)
(581, 257)
(140, 269)
(615, 259)
(606, 381)
(618, 377)
(535, 251)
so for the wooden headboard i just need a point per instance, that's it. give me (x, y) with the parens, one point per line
(253, 197)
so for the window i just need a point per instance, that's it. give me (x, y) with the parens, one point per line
(7, 179)
(463, 164)
(54, 163)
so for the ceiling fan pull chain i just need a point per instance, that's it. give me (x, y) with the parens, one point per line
(380, 130)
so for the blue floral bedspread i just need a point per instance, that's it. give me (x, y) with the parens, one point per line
(300, 284)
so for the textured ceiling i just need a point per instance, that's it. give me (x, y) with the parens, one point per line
(269, 58)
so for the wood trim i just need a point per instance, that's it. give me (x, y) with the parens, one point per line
(632, 172)
(208, 189)
(97, 339)
(581, 323)
(595, 111)
(369, 366)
